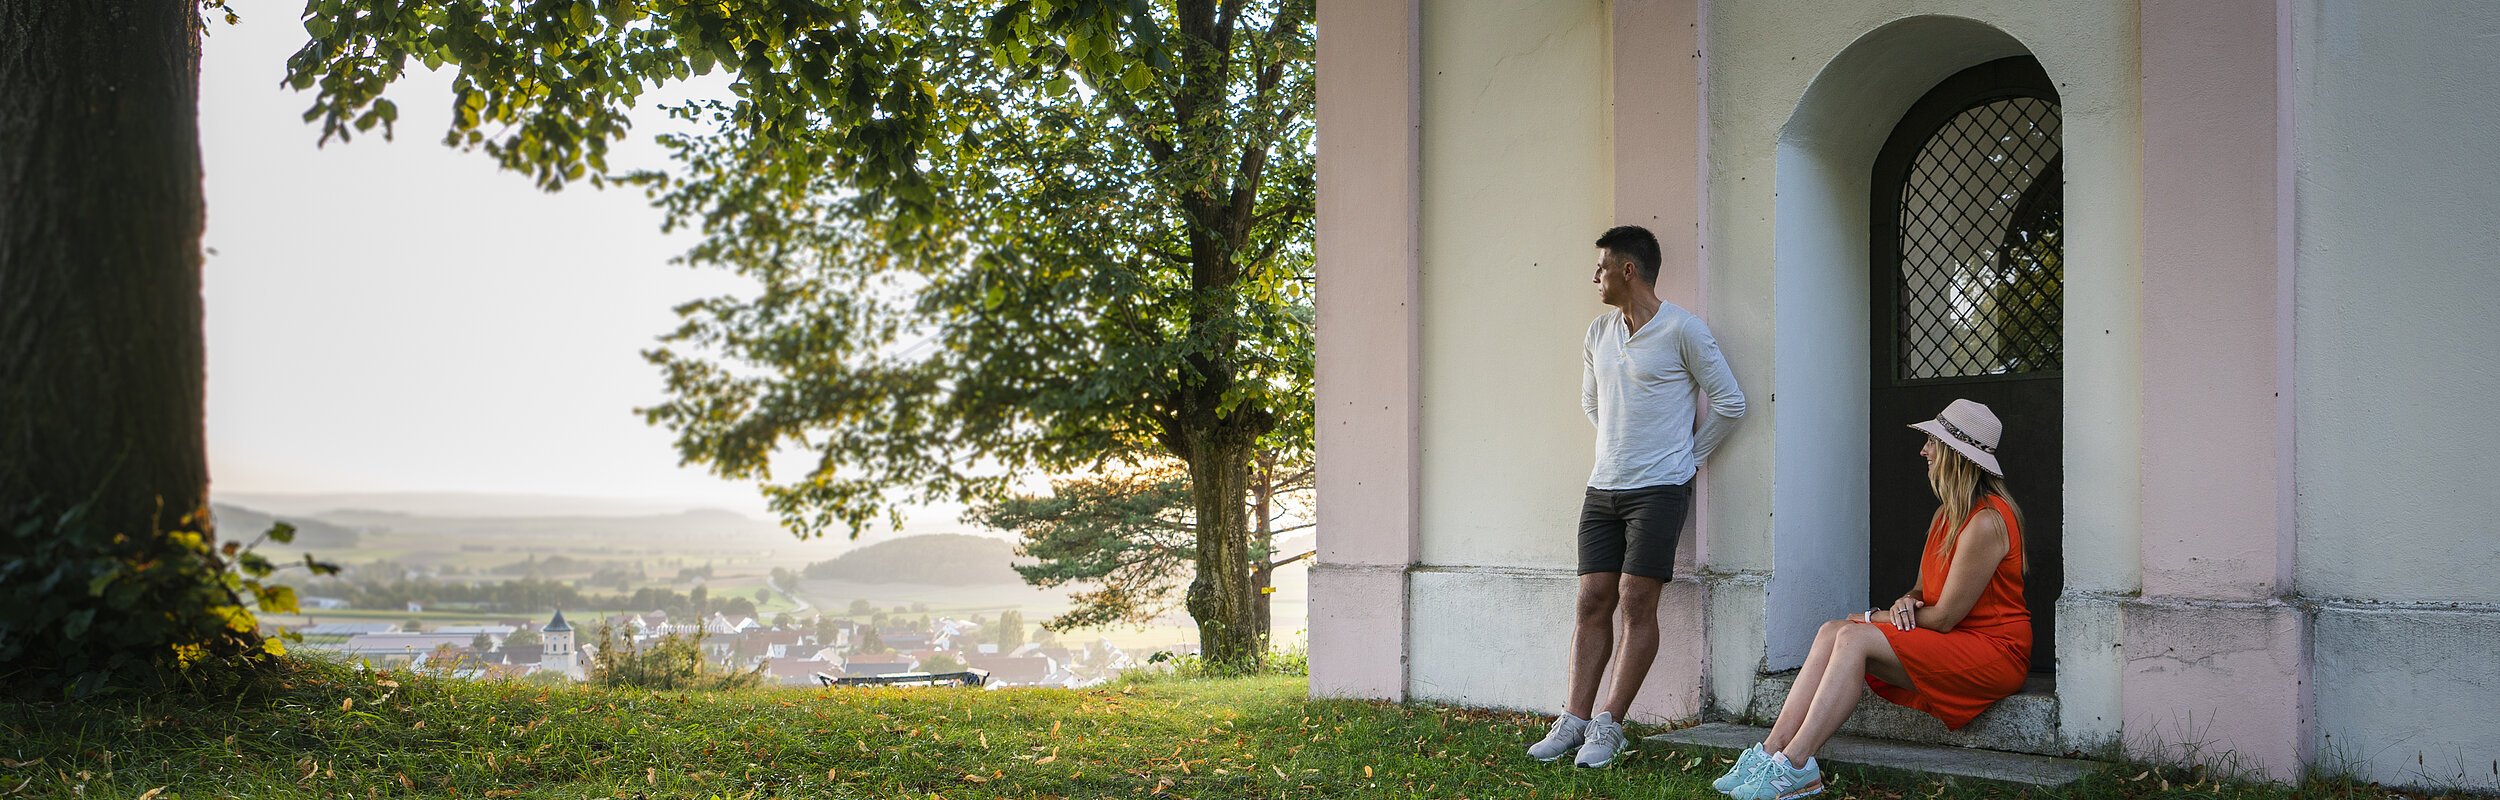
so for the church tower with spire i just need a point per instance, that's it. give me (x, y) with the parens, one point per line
(559, 653)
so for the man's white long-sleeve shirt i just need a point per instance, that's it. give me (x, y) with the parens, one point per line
(1641, 391)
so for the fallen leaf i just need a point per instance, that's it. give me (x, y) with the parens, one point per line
(14, 764)
(828, 774)
(1044, 760)
(347, 703)
(387, 682)
(975, 779)
(1367, 771)
(152, 793)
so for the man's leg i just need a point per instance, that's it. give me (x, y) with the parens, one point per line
(1593, 639)
(1639, 605)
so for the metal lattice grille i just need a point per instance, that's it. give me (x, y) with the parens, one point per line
(1982, 245)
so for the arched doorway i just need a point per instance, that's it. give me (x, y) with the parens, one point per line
(1966, 301)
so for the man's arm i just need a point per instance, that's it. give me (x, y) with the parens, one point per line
(1709, 370)
(1588, 384)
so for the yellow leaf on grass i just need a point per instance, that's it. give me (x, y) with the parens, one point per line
(347, 703)
(1044, 760)
(152, 793)
(1367, 772)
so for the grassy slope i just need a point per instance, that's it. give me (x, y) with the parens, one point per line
(333, 733)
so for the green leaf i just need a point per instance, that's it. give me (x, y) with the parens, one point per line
(75, 624)
(1137, 77)
(282, 533)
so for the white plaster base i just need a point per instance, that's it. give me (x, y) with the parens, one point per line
(1497, 638)
(1736, 637)
(2217, 683)
(2406, 696)
(2089, 666)
(1358, 631)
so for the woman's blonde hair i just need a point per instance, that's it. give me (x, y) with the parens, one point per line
(1959, 484)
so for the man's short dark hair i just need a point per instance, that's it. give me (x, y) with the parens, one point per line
(1636, 243)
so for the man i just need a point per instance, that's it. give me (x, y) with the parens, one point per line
(1643, 366)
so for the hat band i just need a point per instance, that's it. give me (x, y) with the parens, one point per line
(1958, 434)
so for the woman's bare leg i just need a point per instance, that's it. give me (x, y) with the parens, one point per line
(1856, 650)
(1801, 693)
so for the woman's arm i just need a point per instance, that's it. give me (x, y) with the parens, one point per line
(1982, 544)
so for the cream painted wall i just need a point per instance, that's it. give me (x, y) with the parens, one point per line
(1786, 259)
(1516, 148)
(2399, 268)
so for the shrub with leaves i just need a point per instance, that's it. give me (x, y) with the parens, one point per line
(672, 661)
(93, 608)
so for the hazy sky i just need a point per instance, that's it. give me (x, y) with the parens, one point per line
(402, 316)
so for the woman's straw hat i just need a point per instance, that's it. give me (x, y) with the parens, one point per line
(1971, 430)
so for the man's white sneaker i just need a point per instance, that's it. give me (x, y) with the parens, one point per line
(1604, 742)
(1567, 733)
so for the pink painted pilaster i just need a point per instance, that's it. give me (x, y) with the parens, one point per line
(1657, 170)
(1369, 368)
(2217, 538)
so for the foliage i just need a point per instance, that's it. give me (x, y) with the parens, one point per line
(671, 661)
(989, 240)
(942, 663)
(1010, 631)
(93, 608)
(1126, 534)
(945, 559)
(339, 732)
(1130, 535)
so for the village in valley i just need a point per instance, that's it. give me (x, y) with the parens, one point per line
(538, 589)
(810, 652)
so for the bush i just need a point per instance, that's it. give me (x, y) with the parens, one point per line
(87, 609)
(672, 661)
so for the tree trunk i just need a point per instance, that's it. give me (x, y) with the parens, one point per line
(1221, 597)
(101, 363)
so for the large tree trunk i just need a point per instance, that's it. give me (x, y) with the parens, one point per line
(1221, 597)
(101, 374)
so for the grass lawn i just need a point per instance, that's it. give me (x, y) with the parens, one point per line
(336, 733)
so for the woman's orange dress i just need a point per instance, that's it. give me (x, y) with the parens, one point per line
(1959, 674)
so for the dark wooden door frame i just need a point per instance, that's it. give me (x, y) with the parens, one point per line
(2030, 403)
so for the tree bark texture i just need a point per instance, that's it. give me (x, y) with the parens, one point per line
(1221, 597)
(101, 361)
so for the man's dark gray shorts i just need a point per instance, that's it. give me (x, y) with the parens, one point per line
(1633, 531)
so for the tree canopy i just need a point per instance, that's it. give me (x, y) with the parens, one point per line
(987, 239)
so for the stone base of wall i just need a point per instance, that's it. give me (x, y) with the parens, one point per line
(1499, 638)
(2409, 695)
(2218, 683)
(1358, 631)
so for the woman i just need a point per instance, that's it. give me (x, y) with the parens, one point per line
(1957, 642)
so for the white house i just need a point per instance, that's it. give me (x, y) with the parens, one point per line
(2226, 267)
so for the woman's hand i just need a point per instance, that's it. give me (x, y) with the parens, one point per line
(1905, 612)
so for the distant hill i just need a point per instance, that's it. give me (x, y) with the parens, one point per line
(949, 559)
(237, 523)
